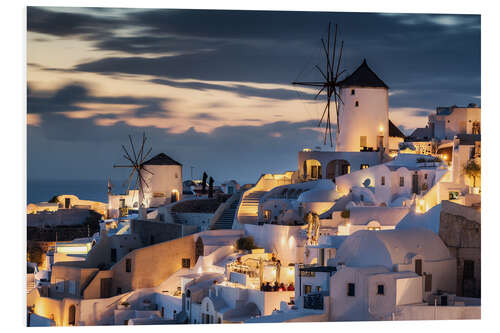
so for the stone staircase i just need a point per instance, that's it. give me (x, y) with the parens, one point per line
(248, 212)
(225, 221)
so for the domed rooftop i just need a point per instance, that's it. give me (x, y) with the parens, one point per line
(390, 247)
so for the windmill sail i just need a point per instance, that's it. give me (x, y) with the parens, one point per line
(330, 84)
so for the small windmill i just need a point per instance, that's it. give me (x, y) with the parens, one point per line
(138, 170)
(330, 83)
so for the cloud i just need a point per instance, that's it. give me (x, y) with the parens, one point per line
(66, 24)
(205, 116)
(239, 89)
(77, 96)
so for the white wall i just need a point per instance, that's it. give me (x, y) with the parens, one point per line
(367, 119)
(286, 241)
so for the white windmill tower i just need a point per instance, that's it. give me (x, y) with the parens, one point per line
(138, 170)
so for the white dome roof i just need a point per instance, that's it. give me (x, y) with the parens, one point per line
(319, 195)
(390, 247)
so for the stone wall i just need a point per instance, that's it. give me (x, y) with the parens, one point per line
(462, 236)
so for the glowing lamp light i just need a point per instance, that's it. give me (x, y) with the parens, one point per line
(381, 128)
(445, 157)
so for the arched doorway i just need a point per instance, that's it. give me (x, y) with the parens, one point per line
(312, 169)
(72, 315)
(337, 168)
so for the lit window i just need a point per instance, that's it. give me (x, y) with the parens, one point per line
(364, 166)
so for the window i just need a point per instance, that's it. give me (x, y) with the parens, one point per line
(418, 266)
(453, 195)
(380, 289)
(162, 312)
(307, 289)
(401, 181)
(186, 263)
(113, 255)
(382, 181)
(122, 203)
(351, 289)
(476, 128)
(356, 104)
(118, 290)
(425, 176)
(468, 269)
(361, 197)
(353, 92)
(128, 265)
(72, 287)
(428, 282)
(362, 141)
(318, 288)
(364, 166)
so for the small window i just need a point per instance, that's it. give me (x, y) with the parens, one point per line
(468, 269)
(113, 255)
(118, 290)
(353, 92)
(418, 266)
(380, 289)
(356, 104)
(351, 289)
(382, 181)
(428, 283)
(401, 181)
(186, 263)
(361, 197)
(128, 265)
(453, 195)
(364, 166)
(425, 176)
(318, 288)
(307, 289)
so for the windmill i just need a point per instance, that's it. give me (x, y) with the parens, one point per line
(330, 83)
(137, 168)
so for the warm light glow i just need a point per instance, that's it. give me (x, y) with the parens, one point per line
(307, 150)
(381, 128)
(445, 157)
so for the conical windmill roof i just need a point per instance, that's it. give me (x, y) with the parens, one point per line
(363, 77)
(161, 159)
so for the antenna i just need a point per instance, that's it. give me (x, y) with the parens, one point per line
(137, 170)
(330, 83)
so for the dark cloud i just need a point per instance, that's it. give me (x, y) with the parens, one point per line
(65, 24)
(239, 89)
(205, 116)
(68, 97)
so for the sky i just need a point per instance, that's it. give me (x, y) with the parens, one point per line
(212, 89)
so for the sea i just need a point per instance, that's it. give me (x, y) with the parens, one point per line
(96, 190)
